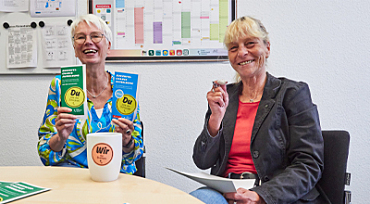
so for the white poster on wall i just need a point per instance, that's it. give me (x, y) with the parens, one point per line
(57, 49)
(22, 47)
(52, 8)
(13, 5)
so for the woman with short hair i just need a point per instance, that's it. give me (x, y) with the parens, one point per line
(62, 136)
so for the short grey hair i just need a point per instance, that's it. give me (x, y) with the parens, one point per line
(95, 20)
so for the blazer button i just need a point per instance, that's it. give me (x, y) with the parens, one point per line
(256, 154)
(266, 178)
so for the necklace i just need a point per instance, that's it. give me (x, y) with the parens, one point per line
(95, 96)
(252, 99)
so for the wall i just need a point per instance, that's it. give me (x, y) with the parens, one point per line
(324, 43)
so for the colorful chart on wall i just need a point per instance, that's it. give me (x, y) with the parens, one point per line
(161, 30)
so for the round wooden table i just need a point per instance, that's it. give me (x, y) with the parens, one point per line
(74, 185)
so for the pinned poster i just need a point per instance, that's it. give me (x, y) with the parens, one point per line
(53, 8)
(13, 5)
(22, 47)
(73, 86)
(104, 11)
(125, 95)
(57, 49)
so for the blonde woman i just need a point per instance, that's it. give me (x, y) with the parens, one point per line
(261, 127)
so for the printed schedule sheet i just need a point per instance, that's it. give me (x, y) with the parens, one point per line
(167, 27)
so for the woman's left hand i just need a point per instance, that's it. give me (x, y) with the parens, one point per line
(244, 196)
(125, 127)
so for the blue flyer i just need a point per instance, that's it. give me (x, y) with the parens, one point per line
(125, 92)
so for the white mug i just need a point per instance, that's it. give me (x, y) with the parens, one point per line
(104, 155)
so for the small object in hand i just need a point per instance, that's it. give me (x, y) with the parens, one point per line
(218, 83)
(128, 131)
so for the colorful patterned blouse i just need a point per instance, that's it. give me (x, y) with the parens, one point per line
(74, 151)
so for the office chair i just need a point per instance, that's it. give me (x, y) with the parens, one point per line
(140, 164)
(334, 177)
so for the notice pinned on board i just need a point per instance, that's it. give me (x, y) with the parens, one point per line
(125, 95)
(13, 5)
(53, 8)
(57, 47)
(73, 86)
(21, 46)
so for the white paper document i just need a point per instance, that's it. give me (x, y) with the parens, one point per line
(22, 47)
(221, 184)
(52, 8)
(13, 5)
(57, 49)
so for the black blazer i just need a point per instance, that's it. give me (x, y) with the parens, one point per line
(286, 143)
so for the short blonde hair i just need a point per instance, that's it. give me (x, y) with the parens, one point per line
(245, 26)
(95, 20)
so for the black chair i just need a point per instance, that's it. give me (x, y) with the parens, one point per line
(335, 177)
(140, 164)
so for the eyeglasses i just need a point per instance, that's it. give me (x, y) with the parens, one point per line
(81, 38)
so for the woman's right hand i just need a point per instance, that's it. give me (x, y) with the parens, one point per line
(64, 123)
(243, 196)
(218, 100)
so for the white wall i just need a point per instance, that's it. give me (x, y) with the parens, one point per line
(324, 43)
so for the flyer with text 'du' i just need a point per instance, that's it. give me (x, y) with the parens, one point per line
(125, 95)
(73, 88)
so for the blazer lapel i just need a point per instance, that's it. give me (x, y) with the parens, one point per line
(230, 115)
(267, 102)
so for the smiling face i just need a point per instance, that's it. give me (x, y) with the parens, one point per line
(248, 46)
(247, 55)
(90, 52)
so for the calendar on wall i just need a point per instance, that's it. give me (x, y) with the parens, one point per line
(166, 29)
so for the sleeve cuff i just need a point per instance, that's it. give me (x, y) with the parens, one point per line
(218, 133)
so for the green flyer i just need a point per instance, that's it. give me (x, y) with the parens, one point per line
(13, 191)
(73, 86)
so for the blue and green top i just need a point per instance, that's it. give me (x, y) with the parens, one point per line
(74, 151)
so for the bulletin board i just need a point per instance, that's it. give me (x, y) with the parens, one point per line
(36, 40)
(143, 31)
(166, 30)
